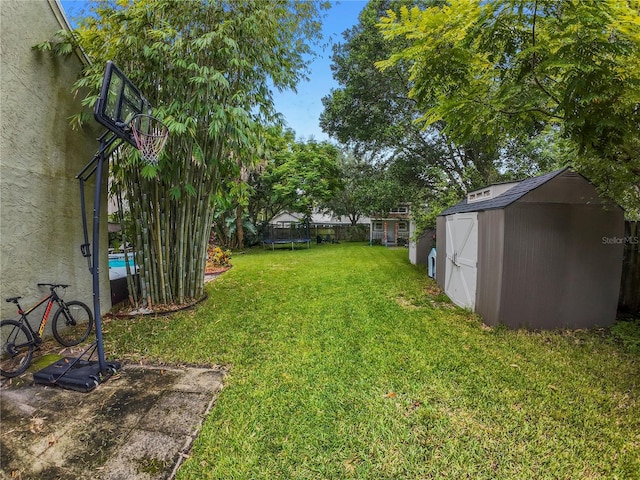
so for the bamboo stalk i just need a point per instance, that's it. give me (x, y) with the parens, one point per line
(147, 251)
(166, 223)
(142, 271)
(161, 278)
(180, 241)
(149, 248)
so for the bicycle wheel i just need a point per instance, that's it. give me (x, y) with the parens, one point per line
(72, 323)
(17, 346)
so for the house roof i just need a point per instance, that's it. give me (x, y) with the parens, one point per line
(317, 218)
(505, 199)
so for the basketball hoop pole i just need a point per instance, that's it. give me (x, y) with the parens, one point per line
(119, 102)
(96, 165)
(126, 114)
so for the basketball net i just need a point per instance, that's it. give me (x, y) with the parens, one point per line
(150, 135)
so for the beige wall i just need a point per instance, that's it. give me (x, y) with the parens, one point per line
(40, 155)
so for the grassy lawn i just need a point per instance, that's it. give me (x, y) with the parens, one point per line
(346, 363)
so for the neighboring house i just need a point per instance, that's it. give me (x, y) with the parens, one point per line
(40, 156)
(392, 229)
(317, 218)
(543, 253)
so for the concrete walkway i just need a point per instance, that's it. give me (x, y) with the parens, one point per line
(140, 424)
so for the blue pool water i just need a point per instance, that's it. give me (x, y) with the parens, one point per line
(120, 263)
(117, 266)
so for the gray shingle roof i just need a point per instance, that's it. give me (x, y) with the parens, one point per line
(507, 198)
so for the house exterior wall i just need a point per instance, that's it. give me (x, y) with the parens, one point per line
(388, 231)
(40, 155)
(317, 218)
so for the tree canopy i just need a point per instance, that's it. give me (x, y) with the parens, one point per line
(297, 176)
(498, 68)
(374, 114)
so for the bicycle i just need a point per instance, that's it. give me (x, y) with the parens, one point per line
(71, 325)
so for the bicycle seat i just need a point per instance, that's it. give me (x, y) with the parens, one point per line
(53, 285)
(13, 299)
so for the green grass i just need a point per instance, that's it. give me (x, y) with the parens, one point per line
(346, 363)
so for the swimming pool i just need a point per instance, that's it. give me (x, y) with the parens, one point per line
(118, 265)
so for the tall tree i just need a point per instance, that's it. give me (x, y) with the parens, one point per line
(296, 175)
(373, 113)
(501, 68)
(208, 68)
(351, 201)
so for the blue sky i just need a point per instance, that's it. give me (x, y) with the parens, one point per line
(301, 110)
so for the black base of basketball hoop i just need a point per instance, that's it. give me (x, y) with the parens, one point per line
(76, 374)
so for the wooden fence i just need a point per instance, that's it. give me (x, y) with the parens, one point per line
(629, 300)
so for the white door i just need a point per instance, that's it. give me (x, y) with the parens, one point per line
(462, 259)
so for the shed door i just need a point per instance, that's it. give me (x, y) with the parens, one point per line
(462, 259)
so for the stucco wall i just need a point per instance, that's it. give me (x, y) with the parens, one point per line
(40, 155)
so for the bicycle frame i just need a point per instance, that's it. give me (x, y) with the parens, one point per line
(51, 298)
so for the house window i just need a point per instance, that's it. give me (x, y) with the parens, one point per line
(399, 210)
(377, 226)
(403, 226)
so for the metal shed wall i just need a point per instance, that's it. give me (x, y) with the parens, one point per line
(557, 273)
(441, 242)
(490, 265)
(575, 284)
(544, 260)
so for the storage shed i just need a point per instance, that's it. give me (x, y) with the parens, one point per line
(539, 254)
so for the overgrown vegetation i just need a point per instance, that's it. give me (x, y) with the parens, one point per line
(564, 71)
(208, 69)
(346, 362)
(374, 114)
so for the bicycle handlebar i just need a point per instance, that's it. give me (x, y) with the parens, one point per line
(53, 285)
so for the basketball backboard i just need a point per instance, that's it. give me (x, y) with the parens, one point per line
(119, 101)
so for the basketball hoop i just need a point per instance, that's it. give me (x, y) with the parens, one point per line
(150, 135)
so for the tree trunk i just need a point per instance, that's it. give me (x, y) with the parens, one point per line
(239, 227)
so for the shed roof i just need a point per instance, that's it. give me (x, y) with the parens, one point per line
(507, 198)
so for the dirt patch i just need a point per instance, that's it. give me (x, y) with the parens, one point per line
(409, 304)
(125, 310)
(433, 290)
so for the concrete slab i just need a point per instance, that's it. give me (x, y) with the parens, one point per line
(140, 424)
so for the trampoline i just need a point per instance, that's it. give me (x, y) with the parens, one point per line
(286, 233)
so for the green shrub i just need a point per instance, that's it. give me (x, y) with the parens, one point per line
(217, 257)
